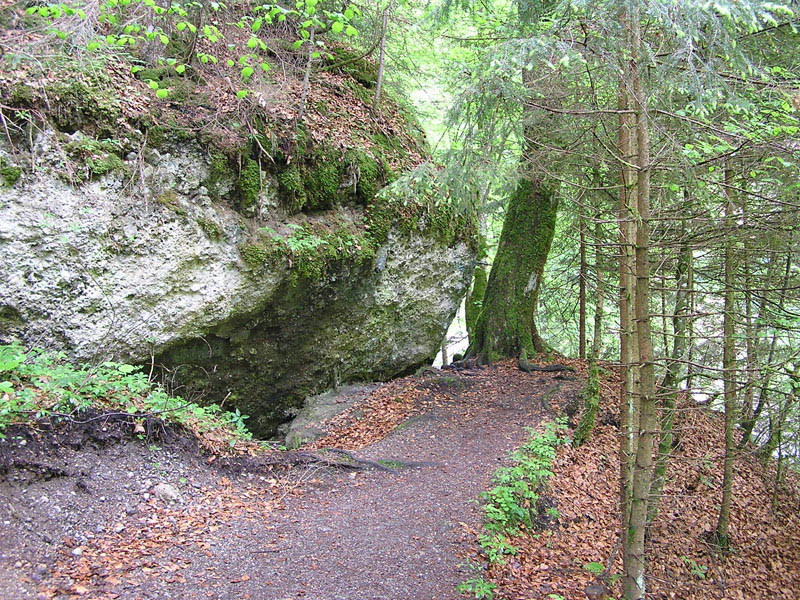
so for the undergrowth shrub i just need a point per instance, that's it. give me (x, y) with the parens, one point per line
(511, 506)
(37, 384)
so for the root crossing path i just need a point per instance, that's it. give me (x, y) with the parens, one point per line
(317, 533)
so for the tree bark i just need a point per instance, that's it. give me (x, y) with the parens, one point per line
(591, 394)
(306, 79)
(728, 366)
(376, 102)
(628, 358)
(474, 301)
(505, 326)
(582, 287)
(634, 582)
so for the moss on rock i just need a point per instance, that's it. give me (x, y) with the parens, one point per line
(210, 228)
(351, 63)
(249, 186)
(290, 187)
(93, 158)
(9, 174)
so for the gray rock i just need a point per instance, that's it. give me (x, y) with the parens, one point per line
(103, 275)
(309, 424)
(167, 493)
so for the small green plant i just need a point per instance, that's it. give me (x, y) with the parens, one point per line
(496, 547)
(478, 588)
(36, 384)
(698, 570)
(595, 568)
(511, 503)
(183, 34)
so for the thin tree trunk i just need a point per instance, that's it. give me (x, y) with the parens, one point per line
(474, 301)
(628, 362)
(582, 287)
(591, 394)
(690, 326)
(669, 385)
(728, 366)
(634, 583)
(749, 425)
(306, 78)
(376, 102)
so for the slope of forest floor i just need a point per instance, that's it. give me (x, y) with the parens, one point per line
(90, 517)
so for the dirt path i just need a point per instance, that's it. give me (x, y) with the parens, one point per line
(335, 534)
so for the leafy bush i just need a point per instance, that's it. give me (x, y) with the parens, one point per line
(184, 33)
(511, 504)
(37, 384)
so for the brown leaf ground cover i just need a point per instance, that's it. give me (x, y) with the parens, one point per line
(95, 528)
(765, 562)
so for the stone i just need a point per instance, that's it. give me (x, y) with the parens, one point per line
(167, 493)
(102, 275)
(309, 424)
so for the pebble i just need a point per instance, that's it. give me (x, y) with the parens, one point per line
(77, 551)
(119, 528)
(167, 493)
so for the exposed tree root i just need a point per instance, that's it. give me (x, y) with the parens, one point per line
(296, 458)
(525, 365)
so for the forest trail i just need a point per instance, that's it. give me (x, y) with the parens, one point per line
(318, 533)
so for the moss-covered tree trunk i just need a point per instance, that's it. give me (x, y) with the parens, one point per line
(506, 326)
(474, 301)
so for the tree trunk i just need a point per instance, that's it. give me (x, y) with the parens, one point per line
(627, 351)
(505, 326)
(634, 583)
(376, 102)
(591, 394)
(582, 287)
(749, 424)
(669, 385)
(728, 366)
(474, 301)
(306, 79)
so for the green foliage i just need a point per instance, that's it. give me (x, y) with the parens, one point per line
(94, 158)
(591, 400)
(414, 203)
(180, 34)
(595, 568)
(698, 570)
(37, 384)
(478, 588)
(511, 505)
(351, 63)
(249, 186)
(310, 253)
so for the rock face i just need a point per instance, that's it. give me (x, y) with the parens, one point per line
(311, 421)
(133, 268)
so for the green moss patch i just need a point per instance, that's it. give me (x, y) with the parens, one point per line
(9, 174)
(93, 158)
(210, 228)
(249, 185)
(413, 203)
(350, 62)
